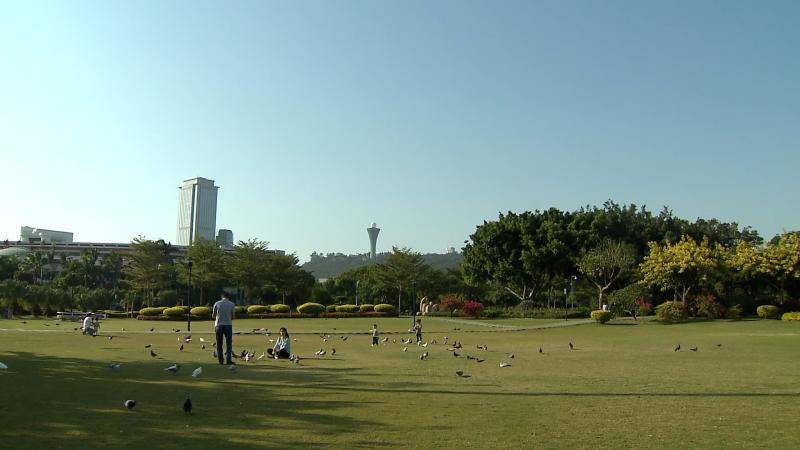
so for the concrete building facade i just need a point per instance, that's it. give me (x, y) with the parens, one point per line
(197, 210)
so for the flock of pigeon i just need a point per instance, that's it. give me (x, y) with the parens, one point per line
(248, 356)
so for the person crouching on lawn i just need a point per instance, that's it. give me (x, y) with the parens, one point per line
(282, 348)
(88, 325)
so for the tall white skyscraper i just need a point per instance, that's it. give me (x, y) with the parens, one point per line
(197, 210)
(373, 231)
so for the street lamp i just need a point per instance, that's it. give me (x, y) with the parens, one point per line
(189, 299)
(413, 301)
(357, 292)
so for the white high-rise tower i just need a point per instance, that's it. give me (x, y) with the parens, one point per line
(373, 231)
(197, 210)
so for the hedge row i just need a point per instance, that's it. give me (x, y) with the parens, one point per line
(791, 316)
(327, 315)
(767, 312)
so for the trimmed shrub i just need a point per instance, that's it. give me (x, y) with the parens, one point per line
(110, 313)
(767, 311)
(330, 308)
(625, 299)
(177, 311)
(240, 310)
(280, 308)
(312, 308)
(257, 309)
(601, 316)
(347, 308)
(643, 307)
(384, 308)
(734, 312)
(366, 307)
(341, 299)
(708, 306)
(344, 315)
(201, 311)
(493, 313)
(149, 312)
(670, 312)
(791, 316)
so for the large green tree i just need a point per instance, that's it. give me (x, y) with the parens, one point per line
(402, 268)
(150, 268)
(209, 268)
(606, 263)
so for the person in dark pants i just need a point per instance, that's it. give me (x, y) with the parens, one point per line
(223, 326)
(418, 330)
(282, 348)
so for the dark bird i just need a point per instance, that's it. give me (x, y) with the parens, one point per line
(344, 338)
(479, 360)
(244, 353)
(483, 347)
(187, 405)
(177, 330)
(460, 373)
(571, 346)
(694, 349)
(148, 345)
(152, 329)
(540, 350)
(114, 366)
(719, 345)
(333, 351)
(677, 347)
(130, 404)
(470, 357)
(511, 355)
(204, 346)
(110, 338)
(152, 353)
(75, 329)
(180, 348)
(456, 354)
(423, 356)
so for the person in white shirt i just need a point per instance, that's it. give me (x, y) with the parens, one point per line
(88, 325)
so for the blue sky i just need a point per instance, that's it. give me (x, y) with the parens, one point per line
(317, 118)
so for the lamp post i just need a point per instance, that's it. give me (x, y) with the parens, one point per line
(356, 292)
(189, 299)
(413, 301)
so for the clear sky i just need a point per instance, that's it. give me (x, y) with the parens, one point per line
(317, 118)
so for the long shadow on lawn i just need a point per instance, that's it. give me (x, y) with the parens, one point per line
(60, 402)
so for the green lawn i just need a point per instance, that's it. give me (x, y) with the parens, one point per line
(623, 387)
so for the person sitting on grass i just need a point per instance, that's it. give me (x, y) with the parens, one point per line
(282, 348)
(88, 325)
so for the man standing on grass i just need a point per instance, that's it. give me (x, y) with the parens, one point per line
(223, 326)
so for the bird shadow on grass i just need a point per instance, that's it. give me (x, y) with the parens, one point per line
(60, 402)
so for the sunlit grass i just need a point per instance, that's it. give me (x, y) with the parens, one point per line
(623, 386)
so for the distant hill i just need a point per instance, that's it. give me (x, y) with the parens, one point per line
(333, 264)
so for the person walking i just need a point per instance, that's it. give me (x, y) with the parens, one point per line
(223, 326)
(375, 334)
(418, 330)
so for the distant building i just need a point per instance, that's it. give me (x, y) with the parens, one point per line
(450, 250)
(40, 235)
(373, 231)
(225, 239)
(197, 210)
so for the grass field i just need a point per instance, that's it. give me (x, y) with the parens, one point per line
(623, 387)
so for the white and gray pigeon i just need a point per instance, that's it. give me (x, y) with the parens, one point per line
(130, 404)
(173, 368)
(3, 366)
(114, 366)
(504, 364)
(196, 372)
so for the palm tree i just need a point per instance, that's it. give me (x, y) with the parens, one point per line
(34, 265)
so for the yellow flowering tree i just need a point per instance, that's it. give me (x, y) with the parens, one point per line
(681, 267)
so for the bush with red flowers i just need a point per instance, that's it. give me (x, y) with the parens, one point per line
(471, 308)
